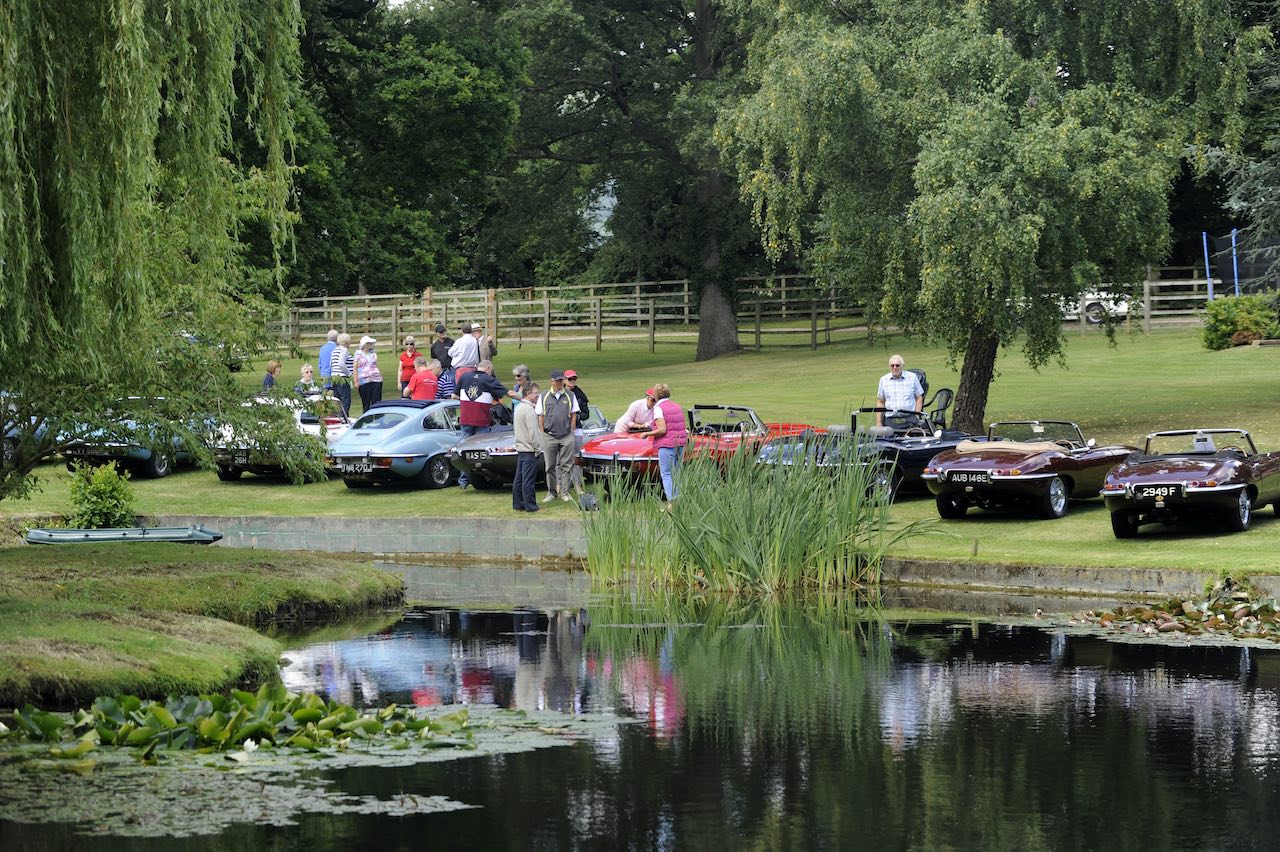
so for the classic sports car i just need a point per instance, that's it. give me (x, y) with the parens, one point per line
(1189, 472)
(233, 455)
(896, 451)
(127, 442)
(489, 459)
(399, 440)
(717, 431)
(1040, 463)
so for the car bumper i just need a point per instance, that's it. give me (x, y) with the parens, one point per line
(1025, 487)
(1183, 499)
(375, 468)
(613, 467)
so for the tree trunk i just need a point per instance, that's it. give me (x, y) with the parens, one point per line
(717, 324)
(976, 375)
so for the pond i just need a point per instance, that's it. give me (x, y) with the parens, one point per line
(797, 725)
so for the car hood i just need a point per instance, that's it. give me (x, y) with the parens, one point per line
(621, 445)
(500, 437)
(1169, 468)
(993, 457)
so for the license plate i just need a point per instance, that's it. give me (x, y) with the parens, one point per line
(1159, 492)
(605, 469)
(241, 458)
(356, 467)
(970, 476)
(476, 455)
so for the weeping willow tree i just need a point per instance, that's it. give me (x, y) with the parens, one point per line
(137, 137)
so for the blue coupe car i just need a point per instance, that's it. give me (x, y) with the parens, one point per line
(401, 440)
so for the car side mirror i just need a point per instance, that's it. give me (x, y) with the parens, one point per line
(937, 433)
(1090, 443)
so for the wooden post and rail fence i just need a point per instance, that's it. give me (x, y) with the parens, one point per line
(781, 310)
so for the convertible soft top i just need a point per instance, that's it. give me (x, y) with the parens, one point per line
(1025, 448)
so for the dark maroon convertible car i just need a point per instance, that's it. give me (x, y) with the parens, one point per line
(1035, 463)
(1189, 473)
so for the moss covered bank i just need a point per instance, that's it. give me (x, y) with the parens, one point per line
(151, 619)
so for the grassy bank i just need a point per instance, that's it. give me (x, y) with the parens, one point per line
(149, 619)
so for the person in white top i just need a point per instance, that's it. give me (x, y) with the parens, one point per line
(639, 415)
(464, 354)
(898, 390)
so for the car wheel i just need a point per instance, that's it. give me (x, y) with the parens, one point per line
(1053, 504)
(885, 480)
(1238, 520)
(951, 506)
(436, 473)
(356, 484)
(1094, 313)
(1124, 523)
(157, 466)
(228, 473)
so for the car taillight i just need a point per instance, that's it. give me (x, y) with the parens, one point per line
(332, 420)
(1203, 483)
(1113, 486)
(931, 470)
(382, 462)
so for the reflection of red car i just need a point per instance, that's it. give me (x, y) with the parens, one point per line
(714, 430)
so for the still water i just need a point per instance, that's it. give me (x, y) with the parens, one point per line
(806, 726)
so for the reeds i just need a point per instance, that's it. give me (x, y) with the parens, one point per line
(742, 526)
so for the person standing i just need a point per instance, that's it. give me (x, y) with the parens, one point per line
(528, 445)
(464, 354)
(273, 372)
(486, 346)
(478, 390)
(557, 418)
(898, 390)
(340, 366)
(368, 376)
(446, 384)
(670, 435)
(584, 413)
(407, 358)
(440, 348)
(638, 416)
(423, 383)
(326, 356)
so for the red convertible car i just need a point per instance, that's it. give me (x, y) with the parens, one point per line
(714, 430)
(1189, 472)
(1040, 463)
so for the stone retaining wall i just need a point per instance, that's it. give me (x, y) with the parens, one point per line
(547, 540)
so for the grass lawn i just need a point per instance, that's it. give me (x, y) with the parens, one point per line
(1163, 380)
(89, 620)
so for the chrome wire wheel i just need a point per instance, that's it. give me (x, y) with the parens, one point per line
(1054, 502)
(1238, 521)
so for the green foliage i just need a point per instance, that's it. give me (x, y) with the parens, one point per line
(743, 526)
(230, 723)
(1233, 320)
(102, 497)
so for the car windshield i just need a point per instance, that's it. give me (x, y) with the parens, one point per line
(1036, 431)
(379, 420)
(596, 418)
(1197, 443)
(723, 420)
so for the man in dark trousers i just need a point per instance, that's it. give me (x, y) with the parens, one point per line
(528, 447)
(440, 349)
(558, 417)
(478, 390)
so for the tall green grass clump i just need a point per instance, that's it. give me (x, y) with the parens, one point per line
(743, 526)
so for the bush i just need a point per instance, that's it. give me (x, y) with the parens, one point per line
(102, 497)
(1233, 320)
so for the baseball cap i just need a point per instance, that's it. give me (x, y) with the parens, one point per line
(557, 374)
(570, 374)
(367, 339)
(440, 329)
(649, 392)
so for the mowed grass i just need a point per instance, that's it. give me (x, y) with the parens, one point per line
(1117, 394)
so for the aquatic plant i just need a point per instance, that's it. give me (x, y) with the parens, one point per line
(739, 525)
(1225, 616)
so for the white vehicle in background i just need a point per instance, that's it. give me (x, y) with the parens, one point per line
(316, 416)
(1099, 306)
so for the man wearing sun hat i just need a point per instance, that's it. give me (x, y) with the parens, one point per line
(557, 418)
(639, 415)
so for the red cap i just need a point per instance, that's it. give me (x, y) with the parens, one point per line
(650, 392)
(570, 374)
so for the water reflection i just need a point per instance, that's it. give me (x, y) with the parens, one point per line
(803, 725)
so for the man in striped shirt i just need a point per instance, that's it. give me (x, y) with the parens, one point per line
(898, 390)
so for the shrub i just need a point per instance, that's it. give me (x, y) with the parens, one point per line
(102, 497)
(1232, 320)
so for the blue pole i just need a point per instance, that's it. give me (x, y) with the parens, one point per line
(1235, 265)
(1204, 236)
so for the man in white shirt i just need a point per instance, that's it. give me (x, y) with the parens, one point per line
(464, 354)
(899, 390)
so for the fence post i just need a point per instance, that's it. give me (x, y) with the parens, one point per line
(444, 315)
(653, 319)
(638, 303)
(491, 304)
(426, 314)
(599, 321)
(783, 282)
(1146, 307)
(813, 324)
(757, 324)
(295, 327)
(328, 317)
(344, 319)
(546, 323)
(686, 301)
(831, 307)
(395, 325)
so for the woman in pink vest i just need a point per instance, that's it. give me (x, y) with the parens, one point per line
(669, 435)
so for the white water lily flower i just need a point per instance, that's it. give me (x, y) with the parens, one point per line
(250, 745)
